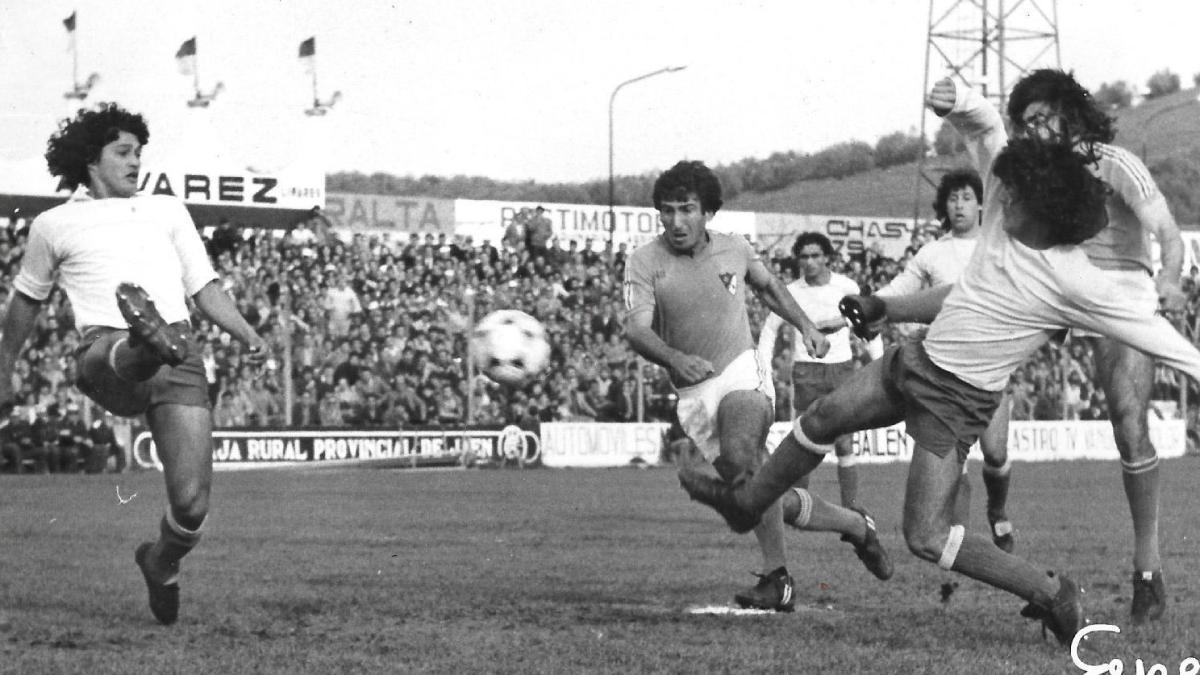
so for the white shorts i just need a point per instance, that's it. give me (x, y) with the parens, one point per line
(1138, 291)
(697, 406)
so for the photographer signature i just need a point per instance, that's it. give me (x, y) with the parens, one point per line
(1188, 666)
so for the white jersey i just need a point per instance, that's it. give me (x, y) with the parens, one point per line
(820, 303)
(1125, 243)
(936, 264)
(1010, 297)
(89, 246)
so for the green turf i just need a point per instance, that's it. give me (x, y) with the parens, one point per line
(351, 570)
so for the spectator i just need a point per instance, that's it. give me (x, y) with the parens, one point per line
(539, 232)
(341, 304)
(105, 449)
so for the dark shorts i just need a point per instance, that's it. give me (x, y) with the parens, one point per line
(941, 412)
(811, 381)
(185, 384)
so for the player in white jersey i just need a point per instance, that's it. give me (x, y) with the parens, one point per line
(127, 264)
(685, 295)
(940, 262)
(818, 291)
(1027, 279)
(1051, 103)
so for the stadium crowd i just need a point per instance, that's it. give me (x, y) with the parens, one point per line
(377, 328)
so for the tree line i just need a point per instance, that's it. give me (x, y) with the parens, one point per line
(1177, 175)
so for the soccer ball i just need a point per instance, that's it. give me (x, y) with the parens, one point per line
(510, 346)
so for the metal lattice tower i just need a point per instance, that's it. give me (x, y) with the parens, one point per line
(987, 45)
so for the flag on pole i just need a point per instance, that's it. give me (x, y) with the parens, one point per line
(69, 24)
(185, 58)
(308, 51)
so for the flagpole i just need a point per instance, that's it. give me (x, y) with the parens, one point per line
(313, 63)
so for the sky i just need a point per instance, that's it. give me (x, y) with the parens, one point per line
(520, 90)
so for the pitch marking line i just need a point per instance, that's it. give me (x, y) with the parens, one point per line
(726, 610)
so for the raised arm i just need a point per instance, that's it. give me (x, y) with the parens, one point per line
(975, 118)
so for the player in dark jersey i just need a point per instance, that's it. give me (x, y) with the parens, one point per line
(685, 294)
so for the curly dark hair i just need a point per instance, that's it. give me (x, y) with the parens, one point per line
(1085, 121)
(689, 177)
(810, 238)
(952, 181)
(78, 141)
(1052, 183)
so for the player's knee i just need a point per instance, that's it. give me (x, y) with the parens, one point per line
(817, 424)
(1132, 435)
(995, 452)
(190, 506)
(924, 540)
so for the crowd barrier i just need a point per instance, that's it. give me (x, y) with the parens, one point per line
(589, 444)
(610, 445)
(417, 447)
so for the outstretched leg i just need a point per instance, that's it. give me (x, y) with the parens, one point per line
(864, 401)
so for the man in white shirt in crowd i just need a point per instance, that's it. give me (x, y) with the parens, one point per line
(818, 292)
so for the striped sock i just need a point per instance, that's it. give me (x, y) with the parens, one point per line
(1141, 480)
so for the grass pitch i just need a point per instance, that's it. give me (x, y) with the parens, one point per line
(552, 571)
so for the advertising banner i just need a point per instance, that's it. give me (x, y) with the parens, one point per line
(594, 444)
(851, 235)
(298, 189)
(582, 223)
(1027, 441)
(408, 447)
(389, 214)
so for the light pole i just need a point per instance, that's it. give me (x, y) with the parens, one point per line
(612, 217)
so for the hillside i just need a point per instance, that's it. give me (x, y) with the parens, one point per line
(1157, 130)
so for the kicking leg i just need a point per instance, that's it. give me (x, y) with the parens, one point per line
(863, 401)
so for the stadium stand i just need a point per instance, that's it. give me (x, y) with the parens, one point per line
(377, 328)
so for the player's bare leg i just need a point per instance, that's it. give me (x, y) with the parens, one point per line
(997, 470)
(182, 435)
(847, 470)
(861, 402)
(743, 419)
(1127, 375)
(932, 534)
(111, 372)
